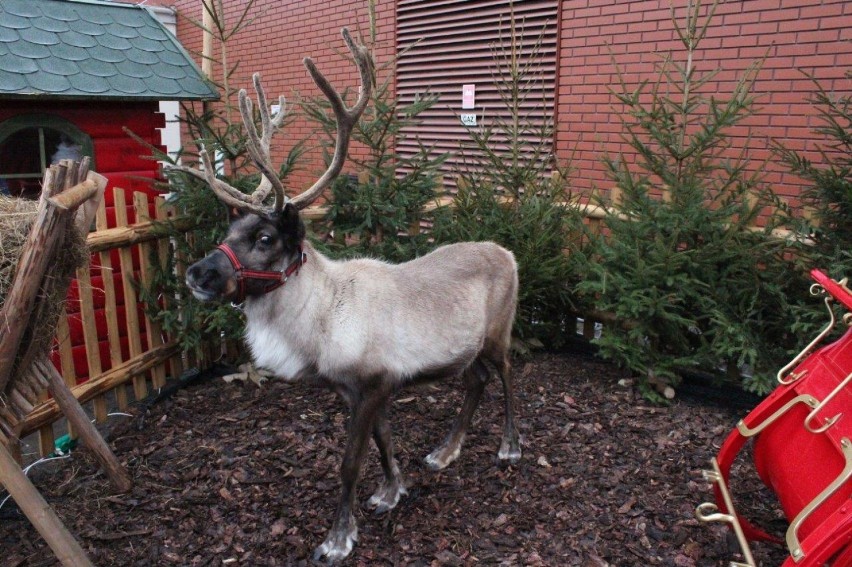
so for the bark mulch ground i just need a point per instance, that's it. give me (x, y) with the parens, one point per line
(233, 474)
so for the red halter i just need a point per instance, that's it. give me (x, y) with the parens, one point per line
(277, 278)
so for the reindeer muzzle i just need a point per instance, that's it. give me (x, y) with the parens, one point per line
(275, 278)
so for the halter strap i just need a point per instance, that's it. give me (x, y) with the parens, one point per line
(276, 278)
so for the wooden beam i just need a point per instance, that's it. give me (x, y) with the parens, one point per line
(207, 24)
(72, 198)
(40, 514)
(119, 237)
(49, 411)
(131, 309)
(88, 432)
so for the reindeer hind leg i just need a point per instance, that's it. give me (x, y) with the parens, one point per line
(475, 377)
(510, 445)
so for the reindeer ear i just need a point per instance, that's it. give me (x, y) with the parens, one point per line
(290, 223)
(234, 213)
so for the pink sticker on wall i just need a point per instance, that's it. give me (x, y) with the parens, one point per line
(468, 96)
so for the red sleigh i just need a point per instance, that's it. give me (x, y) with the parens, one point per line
(802, 450)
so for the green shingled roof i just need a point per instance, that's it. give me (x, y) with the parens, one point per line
(84, 49)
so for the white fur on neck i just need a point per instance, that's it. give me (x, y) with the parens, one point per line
(274, 327)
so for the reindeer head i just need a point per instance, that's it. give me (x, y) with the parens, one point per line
(259, 254)
(264, 246)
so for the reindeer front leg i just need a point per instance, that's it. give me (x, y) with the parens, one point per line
(364, 409)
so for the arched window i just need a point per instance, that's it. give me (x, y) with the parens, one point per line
(29, 144)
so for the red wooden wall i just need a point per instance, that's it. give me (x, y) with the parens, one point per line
(120, 159)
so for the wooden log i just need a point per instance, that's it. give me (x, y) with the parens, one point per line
(121, 236)
(40, 514)
(48, 412)
(24, 385)
(10, 441)
(9, 421)
(72, 170)
(86, 213)
(20, 402)
(87, 431)
(36, 255)
(75, 196)
(54, 179)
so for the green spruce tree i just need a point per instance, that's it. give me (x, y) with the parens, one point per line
(692, 281)
(825, 231)
(201, 220)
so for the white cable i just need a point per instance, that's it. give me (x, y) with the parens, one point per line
(61, 456)
(113, 414)
(27, 470)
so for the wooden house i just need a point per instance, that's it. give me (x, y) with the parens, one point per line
(74, 76)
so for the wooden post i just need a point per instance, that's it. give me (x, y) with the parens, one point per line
(90, 335)
(113, 332)
(207, 38)
(40, 514)
(36, 254)
(85, 429)
(152, 327)
(66, 364)
(131, 307)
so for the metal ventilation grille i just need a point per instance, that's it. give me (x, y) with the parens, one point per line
(446, 44)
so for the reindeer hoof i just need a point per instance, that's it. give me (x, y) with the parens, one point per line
(337, 545)
(440, 458)
(510, 451)
(386, 497)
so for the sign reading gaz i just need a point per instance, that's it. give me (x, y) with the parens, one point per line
(468, 119)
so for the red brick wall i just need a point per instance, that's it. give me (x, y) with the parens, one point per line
(806, 35)
(275, 44)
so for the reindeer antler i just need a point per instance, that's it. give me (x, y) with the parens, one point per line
(346, 117)
(258, 144)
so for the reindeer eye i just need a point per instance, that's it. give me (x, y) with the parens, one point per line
(264, 239)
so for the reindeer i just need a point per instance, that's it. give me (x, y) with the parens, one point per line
(363, 328)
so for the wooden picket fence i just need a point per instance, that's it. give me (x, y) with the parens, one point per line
(140, 355)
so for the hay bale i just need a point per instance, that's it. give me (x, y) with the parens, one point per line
(16, 219)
